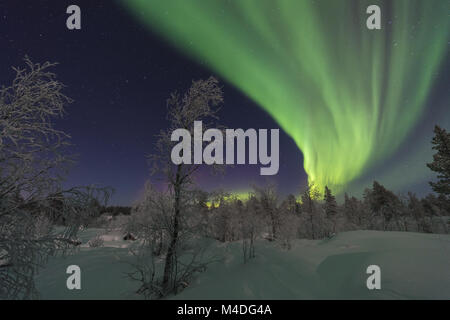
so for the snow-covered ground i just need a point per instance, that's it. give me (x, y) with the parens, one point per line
(413, 266)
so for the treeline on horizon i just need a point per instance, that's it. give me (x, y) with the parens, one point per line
(321, 215)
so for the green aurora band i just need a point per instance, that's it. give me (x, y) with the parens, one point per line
(348, 96)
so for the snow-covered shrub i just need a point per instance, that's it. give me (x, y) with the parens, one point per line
(96, 242)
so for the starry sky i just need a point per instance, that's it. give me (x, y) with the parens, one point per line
(280, 67)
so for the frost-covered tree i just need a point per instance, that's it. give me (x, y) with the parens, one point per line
(288, 228)
(223, 215)
(33, 161)
(435, 213)
(353, 215)
(383, 203)
(268, 201)
(291, 205)
(202, 212)
(289, 220)
(416, 211)
(201, 102)
(250, 226)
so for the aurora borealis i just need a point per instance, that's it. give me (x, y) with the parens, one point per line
(354, 105)
(348, 96)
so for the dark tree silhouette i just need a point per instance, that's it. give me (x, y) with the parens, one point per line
(331, 207)
(441, 161)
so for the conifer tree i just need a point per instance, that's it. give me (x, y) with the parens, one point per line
(331, 208)
(441, 161)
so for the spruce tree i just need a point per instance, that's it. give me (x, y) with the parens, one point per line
(331, 208)
(384, 202)
(351, 210)
(330, 203)
(441, 162)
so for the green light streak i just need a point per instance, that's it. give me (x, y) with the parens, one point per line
(348, 96)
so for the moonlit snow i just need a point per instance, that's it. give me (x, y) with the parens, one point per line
(413, 266)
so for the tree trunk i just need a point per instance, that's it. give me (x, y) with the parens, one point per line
(274, 225)
(168, 267)
(160, 244)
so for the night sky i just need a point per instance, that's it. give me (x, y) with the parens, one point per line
(120, 70)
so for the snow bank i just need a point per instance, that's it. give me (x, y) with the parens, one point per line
(413, 266)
